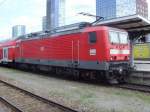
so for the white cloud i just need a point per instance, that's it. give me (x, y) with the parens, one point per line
(14, 12)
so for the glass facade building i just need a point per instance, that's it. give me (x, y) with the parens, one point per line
(44, 22)
(62, 13)
(52, 13)
(106, 8)
(18, 30)
(55, 13)
(125, 8)
(118, 8)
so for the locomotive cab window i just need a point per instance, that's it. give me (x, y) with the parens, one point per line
(92, 37)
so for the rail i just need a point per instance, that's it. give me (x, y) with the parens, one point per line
(135, 87)
(44, 100)
(9, 105)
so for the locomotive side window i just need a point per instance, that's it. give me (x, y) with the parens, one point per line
(92, 37)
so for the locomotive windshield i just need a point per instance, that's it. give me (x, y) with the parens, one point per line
(114, 37)
(123, 38)
(118, 37)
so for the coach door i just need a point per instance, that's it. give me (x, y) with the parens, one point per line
(5, 54)
(75, 52)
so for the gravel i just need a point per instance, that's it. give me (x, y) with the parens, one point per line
(4, 108)
(80, 96)
(25, 102)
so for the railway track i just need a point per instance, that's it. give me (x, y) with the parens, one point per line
(27, 101)
(8, 106)
(135, 87)
(138, 81)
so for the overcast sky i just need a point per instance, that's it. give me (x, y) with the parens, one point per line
(26, 12)
(30, 13)
(76, 7)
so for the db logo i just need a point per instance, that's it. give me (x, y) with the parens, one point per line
(42, 49)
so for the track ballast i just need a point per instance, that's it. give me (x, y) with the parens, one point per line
(27, 101)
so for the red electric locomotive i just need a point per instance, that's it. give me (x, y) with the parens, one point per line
(79, 49)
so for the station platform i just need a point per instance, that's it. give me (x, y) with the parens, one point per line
(142, 65)
(142, 62)
(141, 75)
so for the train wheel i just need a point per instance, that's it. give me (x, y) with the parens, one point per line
(111, 78)
(123, 77)
(76, 74)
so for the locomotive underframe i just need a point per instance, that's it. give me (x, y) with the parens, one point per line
(92, 69)
(90, 65)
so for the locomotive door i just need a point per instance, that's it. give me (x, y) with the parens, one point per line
(75, 52)
(5, 54)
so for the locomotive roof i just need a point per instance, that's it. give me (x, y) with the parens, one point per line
(63, 30)
(68, 29)
(8, 43)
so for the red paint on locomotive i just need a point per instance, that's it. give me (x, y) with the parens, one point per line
(74, 47)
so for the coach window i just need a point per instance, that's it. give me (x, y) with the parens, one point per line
(92, 37)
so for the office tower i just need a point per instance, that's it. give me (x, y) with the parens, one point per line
(44, 22)
(18, 30)
(55, 13)
(118, 8)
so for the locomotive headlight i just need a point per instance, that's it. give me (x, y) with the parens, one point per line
(127, 57)
(111, 58)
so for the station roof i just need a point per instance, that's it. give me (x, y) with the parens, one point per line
(134, 23)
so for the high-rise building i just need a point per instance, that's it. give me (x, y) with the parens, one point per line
(44, 22)
(118, 8)
(55, 13)
(62, 12)
(142, 8)
(18, 30)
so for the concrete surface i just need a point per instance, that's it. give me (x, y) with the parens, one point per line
(80, 96)
(142, 65)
